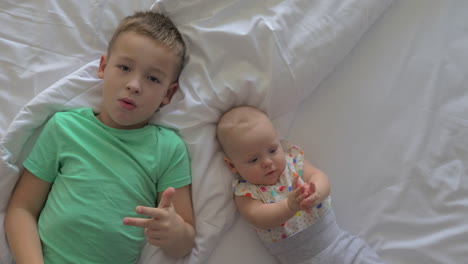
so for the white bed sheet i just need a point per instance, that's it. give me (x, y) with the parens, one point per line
(390, 128)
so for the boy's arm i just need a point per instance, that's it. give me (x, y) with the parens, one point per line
(171, 224)
(184, 239)
(270, 215)
(321, 186)
(24, 208)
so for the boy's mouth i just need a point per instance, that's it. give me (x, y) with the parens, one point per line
(127, 103)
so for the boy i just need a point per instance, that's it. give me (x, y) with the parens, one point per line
(87, 173)
(285, 197)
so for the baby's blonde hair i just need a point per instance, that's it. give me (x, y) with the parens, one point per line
(235, 121)
(156, 26)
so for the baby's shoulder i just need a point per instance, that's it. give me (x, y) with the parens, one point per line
(293, 152)
(291, 148)
(243, 188)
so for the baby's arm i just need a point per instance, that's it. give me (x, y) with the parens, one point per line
(171, 226)
(267, 216)
(24, 208)
(317, 184)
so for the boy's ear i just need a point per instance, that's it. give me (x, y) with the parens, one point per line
(230, 165)
(102, 66)
(170, 92)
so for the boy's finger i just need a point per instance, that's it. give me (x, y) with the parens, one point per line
(166, 199)
(152, 212)
(138, 222)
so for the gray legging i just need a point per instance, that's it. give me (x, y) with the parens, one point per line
(324, 242)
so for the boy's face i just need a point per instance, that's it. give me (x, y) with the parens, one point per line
(256, 154)
(139, 77)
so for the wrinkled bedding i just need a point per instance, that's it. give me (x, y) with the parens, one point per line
(377, 99)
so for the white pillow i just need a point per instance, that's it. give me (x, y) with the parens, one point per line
(271, 54)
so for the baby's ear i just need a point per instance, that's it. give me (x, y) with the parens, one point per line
(230, 165)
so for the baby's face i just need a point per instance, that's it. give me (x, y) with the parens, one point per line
(257, 155)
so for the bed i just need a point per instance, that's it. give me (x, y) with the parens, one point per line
(375, 92)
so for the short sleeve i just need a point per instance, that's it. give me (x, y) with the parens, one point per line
(43, 161)
(295, 155)
(177, 172)
(243, 188)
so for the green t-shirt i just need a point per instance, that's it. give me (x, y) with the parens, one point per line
(99, 175)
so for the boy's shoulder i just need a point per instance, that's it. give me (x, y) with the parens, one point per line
(73, 112)
(171, 135)
(165, 130)
(69, 115)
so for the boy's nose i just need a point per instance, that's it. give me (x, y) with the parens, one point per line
(134, 86)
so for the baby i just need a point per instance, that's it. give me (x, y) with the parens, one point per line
(285, 197)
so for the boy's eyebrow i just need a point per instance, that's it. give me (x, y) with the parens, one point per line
(154, 69)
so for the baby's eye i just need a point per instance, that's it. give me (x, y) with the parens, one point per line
(153, 79)
(253, 160)
(273, 150)
(124, 68)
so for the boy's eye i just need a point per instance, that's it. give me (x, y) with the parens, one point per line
(153, 79)
(124, 68)
(273, 151)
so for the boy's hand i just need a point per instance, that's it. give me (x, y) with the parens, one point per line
(164, 226)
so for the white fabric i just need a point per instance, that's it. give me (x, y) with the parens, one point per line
(403, 131)
(388, 126)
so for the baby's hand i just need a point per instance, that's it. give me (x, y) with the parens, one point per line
(312, 197)
(296, 196)
(164, 224)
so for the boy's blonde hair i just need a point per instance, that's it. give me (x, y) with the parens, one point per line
(156, 26)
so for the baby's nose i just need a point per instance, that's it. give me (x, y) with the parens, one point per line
(267, 163)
